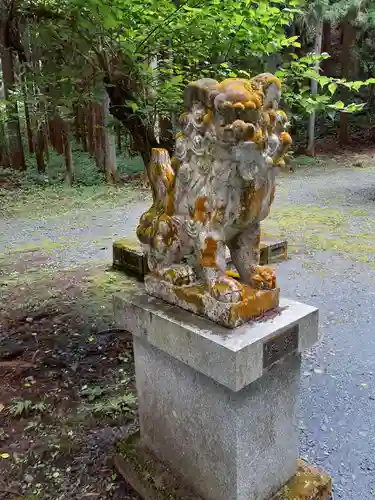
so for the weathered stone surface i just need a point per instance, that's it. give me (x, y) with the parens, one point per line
(196, 299)
(227, 445)
(219, 406)
(233, 358)
(153, 480)
(129, 256)
(216, 191)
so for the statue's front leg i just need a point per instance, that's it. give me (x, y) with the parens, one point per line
(245, 253)
(166, 252)
(211, 265)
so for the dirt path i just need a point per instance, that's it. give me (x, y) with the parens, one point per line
(327, 214)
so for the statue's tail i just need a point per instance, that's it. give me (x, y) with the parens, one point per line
(161, 176)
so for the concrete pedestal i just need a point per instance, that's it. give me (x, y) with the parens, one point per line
(218, 405)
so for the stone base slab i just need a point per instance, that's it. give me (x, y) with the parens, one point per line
(198, 300)
(153, 480)
(129, 257)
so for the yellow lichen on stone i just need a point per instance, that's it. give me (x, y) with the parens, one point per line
(215, 192)
(208, 117)
(308, 483)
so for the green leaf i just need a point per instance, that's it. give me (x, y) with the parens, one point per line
(332, 87)
(338, 105)
(357, 85)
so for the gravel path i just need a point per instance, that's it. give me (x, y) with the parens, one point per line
(338, 381)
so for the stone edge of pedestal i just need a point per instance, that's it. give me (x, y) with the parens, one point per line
(233, 358)
(152, 480)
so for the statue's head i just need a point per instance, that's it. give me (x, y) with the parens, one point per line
(235, 113)
(234, 110)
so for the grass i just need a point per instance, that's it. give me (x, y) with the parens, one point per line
(52, 201)
(320, 229)
(46, 195)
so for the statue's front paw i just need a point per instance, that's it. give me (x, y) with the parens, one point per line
(178, 275)
(263, 278)
(226, 289)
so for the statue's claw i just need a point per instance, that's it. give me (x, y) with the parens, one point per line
(263, 278)
(226, 289)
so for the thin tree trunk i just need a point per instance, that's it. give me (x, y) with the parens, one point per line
(69, 169)
(29, 131)
(59, 145)
(118, 133)
(348, 38)
(77, 132)
(4, 157)
(314, 89)
(110, 163)
(327, 47)
(39, 147)
(99, 138)
(81, 126)
(90, 125)
(17, 156)
(46, 140)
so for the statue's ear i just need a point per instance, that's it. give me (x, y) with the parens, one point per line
(199, 91)
(271, 86)
(272, 96)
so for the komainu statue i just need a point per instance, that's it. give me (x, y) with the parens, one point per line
(213, 195)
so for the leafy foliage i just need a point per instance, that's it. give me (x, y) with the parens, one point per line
(114, 405)
(297, 96)
(25, 407)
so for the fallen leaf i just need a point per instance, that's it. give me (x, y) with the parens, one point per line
(4, 455)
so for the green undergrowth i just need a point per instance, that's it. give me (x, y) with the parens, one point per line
(86, 172)
(92, 287)
(52, 201)
(41, 195)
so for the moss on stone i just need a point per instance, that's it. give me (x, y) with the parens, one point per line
(151, 472)
(309, 483)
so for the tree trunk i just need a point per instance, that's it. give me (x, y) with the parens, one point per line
(59, 144)
(314, 89)
(118, 134)
(17, 157)
(69, 169)
(99, 137)
(39, 147)
(77, 132)
(143, 138)
(327, 47)
(81, 127)
(90, 125)
(30, 141)
(110, 163)
(348, 38)
(46, 140)
(4, 157)
(28, 128)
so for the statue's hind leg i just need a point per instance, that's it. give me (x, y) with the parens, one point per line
(245, 253)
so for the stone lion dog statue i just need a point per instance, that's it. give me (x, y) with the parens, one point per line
(213, 195)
